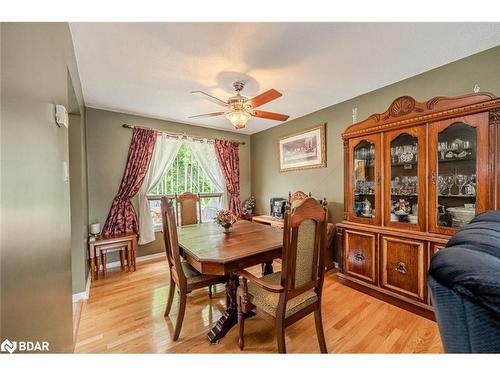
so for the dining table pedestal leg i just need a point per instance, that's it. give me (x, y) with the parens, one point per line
(230, 317)
(267, 268)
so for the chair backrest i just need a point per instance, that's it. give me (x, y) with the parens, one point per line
(297, 196)
(171, 240)
(304, 240)
(189, 207)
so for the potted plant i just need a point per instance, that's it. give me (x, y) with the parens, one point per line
(225, 219)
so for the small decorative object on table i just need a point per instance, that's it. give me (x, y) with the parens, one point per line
(95, 230)
(225, 219)
(248, 206)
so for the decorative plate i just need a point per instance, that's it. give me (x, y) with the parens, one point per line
(406, 157)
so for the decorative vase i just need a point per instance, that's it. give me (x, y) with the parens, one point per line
(227, 229)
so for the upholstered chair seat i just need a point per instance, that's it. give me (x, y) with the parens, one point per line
(194, 277)
(268, 301)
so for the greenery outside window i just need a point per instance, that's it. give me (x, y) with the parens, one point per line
(185, 175)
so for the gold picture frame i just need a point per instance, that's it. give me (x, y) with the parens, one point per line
(301, 150)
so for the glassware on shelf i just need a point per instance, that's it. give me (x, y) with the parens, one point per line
(441, 185)
(404, 179)
(466, 185)
(461, 180)
(462, 215)
(364, 187)
(406, 185)
(394, 157)
(364, 179)
(456, 179)
(449, 181)
(442, 148)
(399, 152)
(467, 147)
(457, 149)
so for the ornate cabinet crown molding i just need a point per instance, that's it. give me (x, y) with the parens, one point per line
(406, 111)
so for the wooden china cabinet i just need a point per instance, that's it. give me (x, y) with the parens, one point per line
(413, 176)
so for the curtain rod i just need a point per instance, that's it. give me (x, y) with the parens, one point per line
(178, 135)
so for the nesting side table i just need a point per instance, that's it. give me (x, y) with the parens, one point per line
(124, 243)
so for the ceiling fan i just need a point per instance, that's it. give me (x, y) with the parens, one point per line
(241, 109)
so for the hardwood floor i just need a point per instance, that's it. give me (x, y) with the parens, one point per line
(124, 314)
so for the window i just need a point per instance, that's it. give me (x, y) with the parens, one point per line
(185, 175)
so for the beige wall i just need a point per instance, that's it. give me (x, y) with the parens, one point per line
(107, 148)
(37, 68)
(453, 79)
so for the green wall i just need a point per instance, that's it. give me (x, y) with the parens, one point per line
(38, 69)
(107, 149)
(79, 202)
(453, 79)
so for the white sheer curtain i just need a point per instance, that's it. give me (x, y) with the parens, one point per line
(163, 157)
(204, 153)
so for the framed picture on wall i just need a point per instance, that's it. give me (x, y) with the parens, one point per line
(303, 150)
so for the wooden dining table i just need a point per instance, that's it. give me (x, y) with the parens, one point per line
(211, 251)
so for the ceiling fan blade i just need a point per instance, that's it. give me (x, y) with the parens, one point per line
(270, 115)
(211, 98)
(207, 115)
(264, 98)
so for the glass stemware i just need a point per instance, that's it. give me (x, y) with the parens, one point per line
(449, 181)
(399, 152)
(461, 180)
(442, 148)
(467, 148)
(441, 184)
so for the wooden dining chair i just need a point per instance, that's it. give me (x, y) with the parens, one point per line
(188, 205)
(189, 208)
(288, 296)
(330, 231)
(297, 196)
(182, 274)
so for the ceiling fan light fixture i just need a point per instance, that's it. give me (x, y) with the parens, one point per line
(238, 118)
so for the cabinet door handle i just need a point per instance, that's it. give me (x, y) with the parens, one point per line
(378, 179)
(401, 268)
(433, 178)
(359, 257)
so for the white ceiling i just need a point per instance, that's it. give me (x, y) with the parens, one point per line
(151, 68)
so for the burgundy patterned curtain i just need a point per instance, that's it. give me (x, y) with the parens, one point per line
(122, 217)
(228, 156)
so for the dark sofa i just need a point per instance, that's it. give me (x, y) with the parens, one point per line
(464, 281)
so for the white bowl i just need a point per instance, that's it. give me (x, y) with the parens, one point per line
(462, 214)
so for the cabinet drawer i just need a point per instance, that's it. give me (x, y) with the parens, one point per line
(402, 266)
(360, 255)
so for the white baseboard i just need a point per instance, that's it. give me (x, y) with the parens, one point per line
(138, 260)
(83, 295)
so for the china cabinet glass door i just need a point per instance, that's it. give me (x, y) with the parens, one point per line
(364, 167)
(404, 203)
(458, 162)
